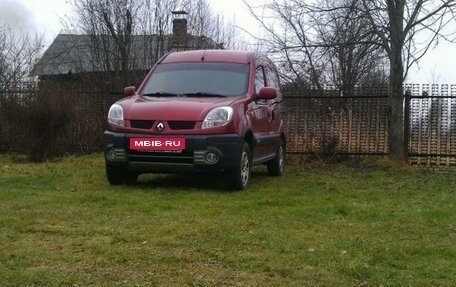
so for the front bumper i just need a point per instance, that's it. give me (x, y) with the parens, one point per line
(226, 147)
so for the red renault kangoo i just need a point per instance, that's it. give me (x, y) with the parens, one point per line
(213, 110)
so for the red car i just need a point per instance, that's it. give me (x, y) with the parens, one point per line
(212, 110)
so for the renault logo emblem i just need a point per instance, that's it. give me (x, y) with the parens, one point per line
(160, 127)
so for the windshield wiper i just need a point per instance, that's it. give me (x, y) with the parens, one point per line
(162, 94)
(203, 94)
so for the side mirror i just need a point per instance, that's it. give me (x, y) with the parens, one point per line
(267, 93)
(129, 91)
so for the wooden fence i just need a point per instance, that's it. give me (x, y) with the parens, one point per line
(431, 114)
(342, 125)
(324, 123)
(85, 107)
(357, 125)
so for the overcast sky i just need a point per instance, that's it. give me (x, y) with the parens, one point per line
(44, 16)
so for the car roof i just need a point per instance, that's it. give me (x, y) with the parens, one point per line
(229, 56)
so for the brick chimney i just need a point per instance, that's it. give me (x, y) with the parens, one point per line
(179, 39)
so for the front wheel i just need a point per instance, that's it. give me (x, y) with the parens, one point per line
(238, 179)
(276, 165)
(119, 175)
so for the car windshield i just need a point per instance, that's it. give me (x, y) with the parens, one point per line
(202, 79)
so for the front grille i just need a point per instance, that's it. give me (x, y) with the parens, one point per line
(185, 157)
(139, 124)
(181, 125)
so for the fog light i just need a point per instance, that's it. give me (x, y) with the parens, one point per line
(116, 154)
(212, 157)
(111, 155)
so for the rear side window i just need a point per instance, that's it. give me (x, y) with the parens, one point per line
(259, 79)
(273, 80)
(226, 79)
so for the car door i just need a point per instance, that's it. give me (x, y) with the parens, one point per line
(275, 105)
(259, 114)
(271, 134)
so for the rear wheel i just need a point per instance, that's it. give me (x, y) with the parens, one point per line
(238, 179)
(119, 175)
(276, 165)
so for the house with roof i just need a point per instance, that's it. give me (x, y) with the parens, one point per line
(83, 75)
(81, 57)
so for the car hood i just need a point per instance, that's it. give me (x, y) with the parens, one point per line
(171, 108)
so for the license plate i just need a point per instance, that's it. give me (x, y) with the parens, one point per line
(157, 144)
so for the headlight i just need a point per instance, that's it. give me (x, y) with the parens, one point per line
(218, 117)
(115, 115)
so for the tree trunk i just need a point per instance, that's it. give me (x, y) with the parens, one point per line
(124, 64)
(396, 106)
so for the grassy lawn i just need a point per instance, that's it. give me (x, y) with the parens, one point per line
(61, 224)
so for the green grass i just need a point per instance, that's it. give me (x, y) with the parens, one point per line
(61, 224)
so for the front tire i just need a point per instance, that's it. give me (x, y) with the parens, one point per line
(119, 175)
(276, 165)
(239, 178)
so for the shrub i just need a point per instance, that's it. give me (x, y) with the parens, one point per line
(49, 115)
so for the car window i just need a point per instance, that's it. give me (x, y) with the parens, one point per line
(226, 79)
(273, 80)
(259, 79)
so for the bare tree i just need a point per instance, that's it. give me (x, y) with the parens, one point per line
(157, 20)
(116, 26)
(403, 29)
(205, 23)
(400, 26)
(118, 20)
(316, 49)
(18, 53)
(349, 48)
(110, 24)
(286, 25)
